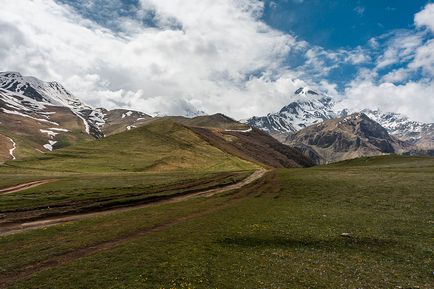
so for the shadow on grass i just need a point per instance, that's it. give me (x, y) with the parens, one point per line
(365, 243)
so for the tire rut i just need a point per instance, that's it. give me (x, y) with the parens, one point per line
(68, 257)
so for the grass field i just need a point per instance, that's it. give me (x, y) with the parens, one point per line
(160, 146)
(99, 192)
(159, 159)
(366, 223)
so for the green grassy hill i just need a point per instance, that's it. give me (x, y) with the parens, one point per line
(217, 120)
(158, 159)
(162, 145)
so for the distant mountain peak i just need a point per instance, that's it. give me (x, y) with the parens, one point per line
(305, 91)
(10, 74)
(343, 138)
(307, 107)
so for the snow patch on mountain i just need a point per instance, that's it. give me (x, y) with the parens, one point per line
(49, 145)
(307, 107)
(31, 95)
(398, 124)
(12, 150)
(28, 116)
(59, 129)
(49, 132)
(127, 114)
(238, 130)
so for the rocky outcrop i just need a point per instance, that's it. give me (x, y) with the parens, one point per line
(343, 138)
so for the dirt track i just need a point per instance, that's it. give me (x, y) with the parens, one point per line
(63, 259)
(23, 187)
(14, 228)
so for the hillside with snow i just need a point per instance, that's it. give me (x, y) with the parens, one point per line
(308, 107)
(42, 116)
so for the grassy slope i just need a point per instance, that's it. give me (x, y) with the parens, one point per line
(218, 120)
(102, 192)
(125, 169)
(284, 231)
(159, 146)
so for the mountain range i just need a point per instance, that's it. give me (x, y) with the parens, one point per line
(42, 116)
(309, 107)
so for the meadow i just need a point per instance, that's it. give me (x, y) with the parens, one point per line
(365, 223)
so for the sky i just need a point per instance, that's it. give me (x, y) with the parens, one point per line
(238, 57)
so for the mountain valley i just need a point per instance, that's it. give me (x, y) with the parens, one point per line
(161, 198)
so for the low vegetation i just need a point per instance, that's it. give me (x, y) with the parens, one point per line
(366, 223)
(160, 146)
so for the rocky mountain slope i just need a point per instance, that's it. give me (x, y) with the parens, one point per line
(344, 138)
(247, 143)
(419, 135)
(309, 107)
(41, 95)
(42, 116)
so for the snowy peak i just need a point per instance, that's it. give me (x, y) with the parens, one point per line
(399, 124)
(305, 91)
(47, 92)
(306, 108)
(306, 94)
(310, 107)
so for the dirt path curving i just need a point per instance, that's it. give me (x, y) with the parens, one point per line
(22, 187)
(9, 229)
(68, 257)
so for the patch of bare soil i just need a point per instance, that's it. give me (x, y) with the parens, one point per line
(22, 187)
(256, 146)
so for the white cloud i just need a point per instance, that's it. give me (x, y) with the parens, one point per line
(216, 56)
(414, 99)
(426, 17)
(211, 61)
(408, 60)
(424, 58)
(396, 75)
(400, 48)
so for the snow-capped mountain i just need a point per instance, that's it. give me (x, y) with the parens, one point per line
(307, 107)
(37, 116)
(346, 137)
(48, 94)
(399, 125)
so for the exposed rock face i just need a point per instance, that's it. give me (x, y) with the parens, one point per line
(307, 107)
(402, 127)
(343, 138)
(256, 146)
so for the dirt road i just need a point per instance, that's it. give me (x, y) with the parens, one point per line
(8, 229)
(22, 187)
